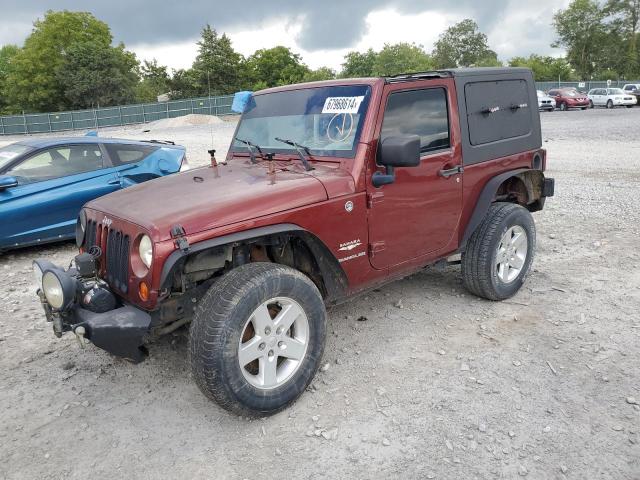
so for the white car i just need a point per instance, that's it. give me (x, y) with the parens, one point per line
(610, 98)
(545, 102)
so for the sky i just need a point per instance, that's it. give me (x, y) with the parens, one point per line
(321, 31)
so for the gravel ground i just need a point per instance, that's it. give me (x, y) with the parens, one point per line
(434, 384)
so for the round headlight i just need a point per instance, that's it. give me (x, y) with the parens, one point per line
(53, 291)
(39, 267)
(81, 228)
(145, 250)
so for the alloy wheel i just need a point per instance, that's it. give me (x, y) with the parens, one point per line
(512, 254)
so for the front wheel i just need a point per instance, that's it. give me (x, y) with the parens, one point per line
(590, 103)
(563, 107)
(257, 338)
(609, 104)
(498, 255)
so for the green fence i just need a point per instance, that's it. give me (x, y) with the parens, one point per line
(112, 116)
(583, 86)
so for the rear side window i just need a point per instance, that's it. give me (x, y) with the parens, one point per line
(124, 154)
(497, 110)
(419, 112)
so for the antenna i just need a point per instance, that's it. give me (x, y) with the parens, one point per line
(211, 124)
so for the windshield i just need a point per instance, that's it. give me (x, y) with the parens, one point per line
(541, 94)
(571, 93)
(616, 91)
(327, 120)
(10, 152)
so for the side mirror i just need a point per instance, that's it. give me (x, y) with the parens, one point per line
(7, 181)
(400, 151)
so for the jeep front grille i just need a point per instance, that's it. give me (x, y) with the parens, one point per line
(115, 253)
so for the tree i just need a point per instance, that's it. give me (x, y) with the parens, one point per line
(155, 81)
(184, 84)
(33, 80)
(217, 65)
(96, 74)
(322, 73)
(7, 53)
(463, 45)
(275, 66)
(401, 58)
(358, 65)
(625, 22)
(545, 68)
(582, 32)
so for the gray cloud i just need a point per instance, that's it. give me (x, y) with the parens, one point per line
(326, 25)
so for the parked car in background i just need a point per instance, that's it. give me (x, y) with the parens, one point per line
(567, 98)
(44, 182)
(545, 102)
(610, 98)
(633, 89)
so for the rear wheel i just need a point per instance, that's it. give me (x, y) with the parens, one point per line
(499, 253)
(257, 338)
(590, 103)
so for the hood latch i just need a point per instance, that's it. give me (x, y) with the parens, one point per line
(178, 233)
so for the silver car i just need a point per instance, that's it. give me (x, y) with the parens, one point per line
(545, 102)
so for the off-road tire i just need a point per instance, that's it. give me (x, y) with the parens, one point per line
(217, 325)
(479, 259)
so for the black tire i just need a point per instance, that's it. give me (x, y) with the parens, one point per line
(591, 104)
(629, 106)
(479, 259)
(609, 104)
(218, 322)
(583, 108)
(563, 107)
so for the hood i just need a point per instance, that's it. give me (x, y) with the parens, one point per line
(206, 198)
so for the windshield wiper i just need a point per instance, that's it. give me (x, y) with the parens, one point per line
(303, 152)
(251, 146)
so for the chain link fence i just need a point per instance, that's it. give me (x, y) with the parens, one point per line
(113, 116)
(583, 86)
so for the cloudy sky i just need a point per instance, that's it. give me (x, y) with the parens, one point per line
(321, 31)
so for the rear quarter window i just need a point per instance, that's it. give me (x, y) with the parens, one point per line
(125, 154)
(498, 110)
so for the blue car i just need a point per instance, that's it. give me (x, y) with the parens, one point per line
(45, 182)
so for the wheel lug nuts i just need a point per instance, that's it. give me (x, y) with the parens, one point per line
(267, 331)
(271, 353)
(261, 346)
(279, 331)
(281, 344)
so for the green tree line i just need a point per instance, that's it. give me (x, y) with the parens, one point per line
(69, 60)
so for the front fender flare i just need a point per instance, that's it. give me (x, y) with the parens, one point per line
(334, 277)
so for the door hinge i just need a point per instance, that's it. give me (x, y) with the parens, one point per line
(178, 233)
(376, 247)
(374, 197)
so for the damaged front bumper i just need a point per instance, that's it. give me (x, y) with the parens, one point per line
(121, 331)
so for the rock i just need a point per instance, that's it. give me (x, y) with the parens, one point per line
(546, 429)
(482, 427)
(464, 367)
(442, 352)
(516, 363)
(68, 365)
(617, 428)
(522, 471)
(278, 452)
(386, 442)
(315, 418)
(632, 401)
(512, 434)
(325, 367)
(564, 469)
(449, 445)
(86, 403)
(362, 319)
(398, 304)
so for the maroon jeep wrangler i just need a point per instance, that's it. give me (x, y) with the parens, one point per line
(328, 189)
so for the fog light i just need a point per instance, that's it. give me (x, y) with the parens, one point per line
(143, 291)
(59, 289)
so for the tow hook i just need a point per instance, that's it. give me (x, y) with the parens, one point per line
(80, 332)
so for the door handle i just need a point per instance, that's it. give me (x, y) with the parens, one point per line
(448, 172)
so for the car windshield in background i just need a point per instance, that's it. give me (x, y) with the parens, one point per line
(10, 152)
(327, 120)
(571, 93)
(616, 91)
(541, 94)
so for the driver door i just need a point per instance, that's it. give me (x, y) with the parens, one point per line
(418, 214)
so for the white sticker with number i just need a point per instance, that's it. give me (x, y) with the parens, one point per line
(342, 104)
